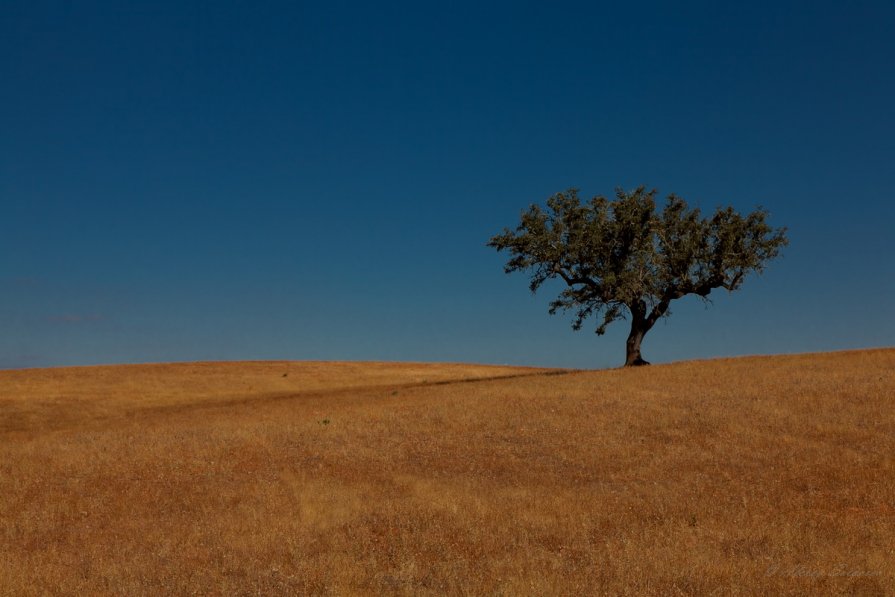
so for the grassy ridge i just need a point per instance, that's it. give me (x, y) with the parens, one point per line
(769, 475)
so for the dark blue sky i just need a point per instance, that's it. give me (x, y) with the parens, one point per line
(242, 180)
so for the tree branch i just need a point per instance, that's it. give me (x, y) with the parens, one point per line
(572, 280)
(656, 314)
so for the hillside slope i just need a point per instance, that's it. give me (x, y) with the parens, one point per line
(766, 475)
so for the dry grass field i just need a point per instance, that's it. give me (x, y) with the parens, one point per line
(752, 476)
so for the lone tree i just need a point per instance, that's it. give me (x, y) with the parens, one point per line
(623, 258)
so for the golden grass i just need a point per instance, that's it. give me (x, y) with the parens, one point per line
(764, 476)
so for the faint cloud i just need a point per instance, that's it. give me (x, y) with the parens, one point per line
(71, 319)
(21, 282)
(22, 361)
(26, 282)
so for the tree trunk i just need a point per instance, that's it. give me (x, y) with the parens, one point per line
(638, 331)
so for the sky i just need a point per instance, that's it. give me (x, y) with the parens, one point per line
(186, 181)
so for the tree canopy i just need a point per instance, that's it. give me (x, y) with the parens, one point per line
(625, 258)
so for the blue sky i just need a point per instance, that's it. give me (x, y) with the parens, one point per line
(236, 180)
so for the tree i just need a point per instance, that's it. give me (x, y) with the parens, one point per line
(623, 258)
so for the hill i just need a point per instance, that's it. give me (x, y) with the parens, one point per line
(765, 475)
